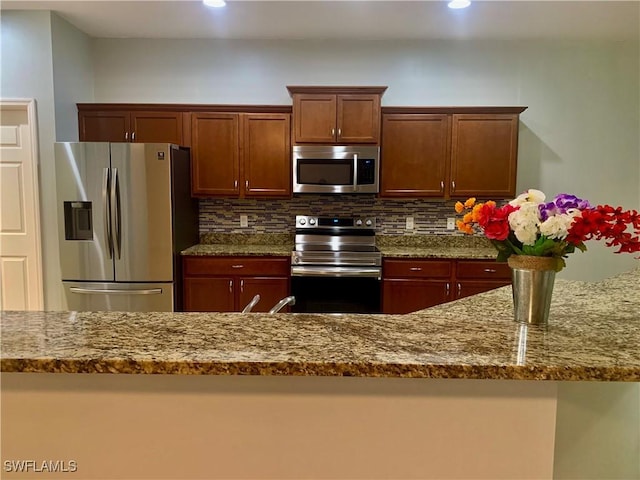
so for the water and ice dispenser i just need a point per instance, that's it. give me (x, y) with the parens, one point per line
(77, 221)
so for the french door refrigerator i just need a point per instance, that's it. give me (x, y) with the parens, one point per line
(124, 214)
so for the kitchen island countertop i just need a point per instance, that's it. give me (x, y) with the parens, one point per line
(594, 334)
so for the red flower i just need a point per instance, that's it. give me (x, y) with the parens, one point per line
(607, 223)
(495, 221)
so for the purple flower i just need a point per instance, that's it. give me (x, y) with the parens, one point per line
(547, 210)
(565, 201)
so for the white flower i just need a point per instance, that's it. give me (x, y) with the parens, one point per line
(557, 226)
(532, 195)
(525, 222)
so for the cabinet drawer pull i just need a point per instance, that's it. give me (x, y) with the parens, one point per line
(246, 185)
(459, 289)
(448, 289)
(235, 184)
(442, 185)
(133, 137)
(339, 131)
(230, 286)
(416, 269)
(237, 266)
(241, 286)
(453, 185)
(333, 132)
(126, 136)
(490, 270)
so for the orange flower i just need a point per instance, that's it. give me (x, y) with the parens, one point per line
(475, 213)
(470, 202)
(463, 227)
(459, 207)
(468, 217)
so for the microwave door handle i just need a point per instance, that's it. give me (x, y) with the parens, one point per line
(355, 172)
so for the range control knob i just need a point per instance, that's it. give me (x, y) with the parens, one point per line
(368, 223)
(359, 223)
(312, 221)
(302, 221)
(296, 260)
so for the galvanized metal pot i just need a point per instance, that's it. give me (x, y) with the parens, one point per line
(532, 286)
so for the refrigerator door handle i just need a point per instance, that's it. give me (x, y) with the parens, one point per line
(111, 291)
(116, 217)
(106, 186)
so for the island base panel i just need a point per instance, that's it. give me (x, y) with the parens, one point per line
(232, 427)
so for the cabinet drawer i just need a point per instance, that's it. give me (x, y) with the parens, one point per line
(417, 268)
(483, 269)
(200, 265)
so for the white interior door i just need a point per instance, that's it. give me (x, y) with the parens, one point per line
(20, 244)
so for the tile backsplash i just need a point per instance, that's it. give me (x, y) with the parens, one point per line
(278, 216)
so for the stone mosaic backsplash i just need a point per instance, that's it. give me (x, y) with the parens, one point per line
(278, 216)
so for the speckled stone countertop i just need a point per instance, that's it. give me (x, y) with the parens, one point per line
(401, 246)
(594, 334)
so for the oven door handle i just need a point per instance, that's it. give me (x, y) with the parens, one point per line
(355, 172)
(327, 271)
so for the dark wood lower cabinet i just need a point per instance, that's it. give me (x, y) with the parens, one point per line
(413, 284)
(403, 295)
(228, 284)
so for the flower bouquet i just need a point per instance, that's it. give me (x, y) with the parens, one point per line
(528, 225)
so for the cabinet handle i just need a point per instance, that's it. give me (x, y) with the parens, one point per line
(442, 185)
(237, 266)
(241, 286)
(415, 269)
(490, 270)
(448, 289)
(235, 184)
(453, 185)
(133, 137)
(246, 185)
(459, 289)
(339, 132)
(333, 132)
(126, 136)
(230, 286)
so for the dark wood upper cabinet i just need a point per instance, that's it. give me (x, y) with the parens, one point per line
(342, 115)
(241, 154)
(415, 154)
(449, 152)
(215, 154)
(123, 123)
(266, 153)
(484, 155)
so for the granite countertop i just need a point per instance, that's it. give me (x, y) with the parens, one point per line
(594, 334)
(391, 246)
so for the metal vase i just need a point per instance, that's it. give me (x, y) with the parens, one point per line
(532, 290)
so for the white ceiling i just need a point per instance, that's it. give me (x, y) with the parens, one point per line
(341, 19)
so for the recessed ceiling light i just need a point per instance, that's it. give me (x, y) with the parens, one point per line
(214, 3)
(459, 4)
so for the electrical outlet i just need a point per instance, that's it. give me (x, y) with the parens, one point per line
(451, 223)
(244, 221)
(409, 225)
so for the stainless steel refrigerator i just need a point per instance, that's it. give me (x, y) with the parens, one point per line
(124, 214)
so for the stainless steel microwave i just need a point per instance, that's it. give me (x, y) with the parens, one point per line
(336, 169)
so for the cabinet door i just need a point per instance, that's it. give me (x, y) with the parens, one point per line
(484, 155)
(208, 294)
(409, 295)
(267, 155)
(466, 288)
(104, 126)
(415, 155)
(358, 119)
(156, 127)
(215, 154)
(270, 289)
(314, 118)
